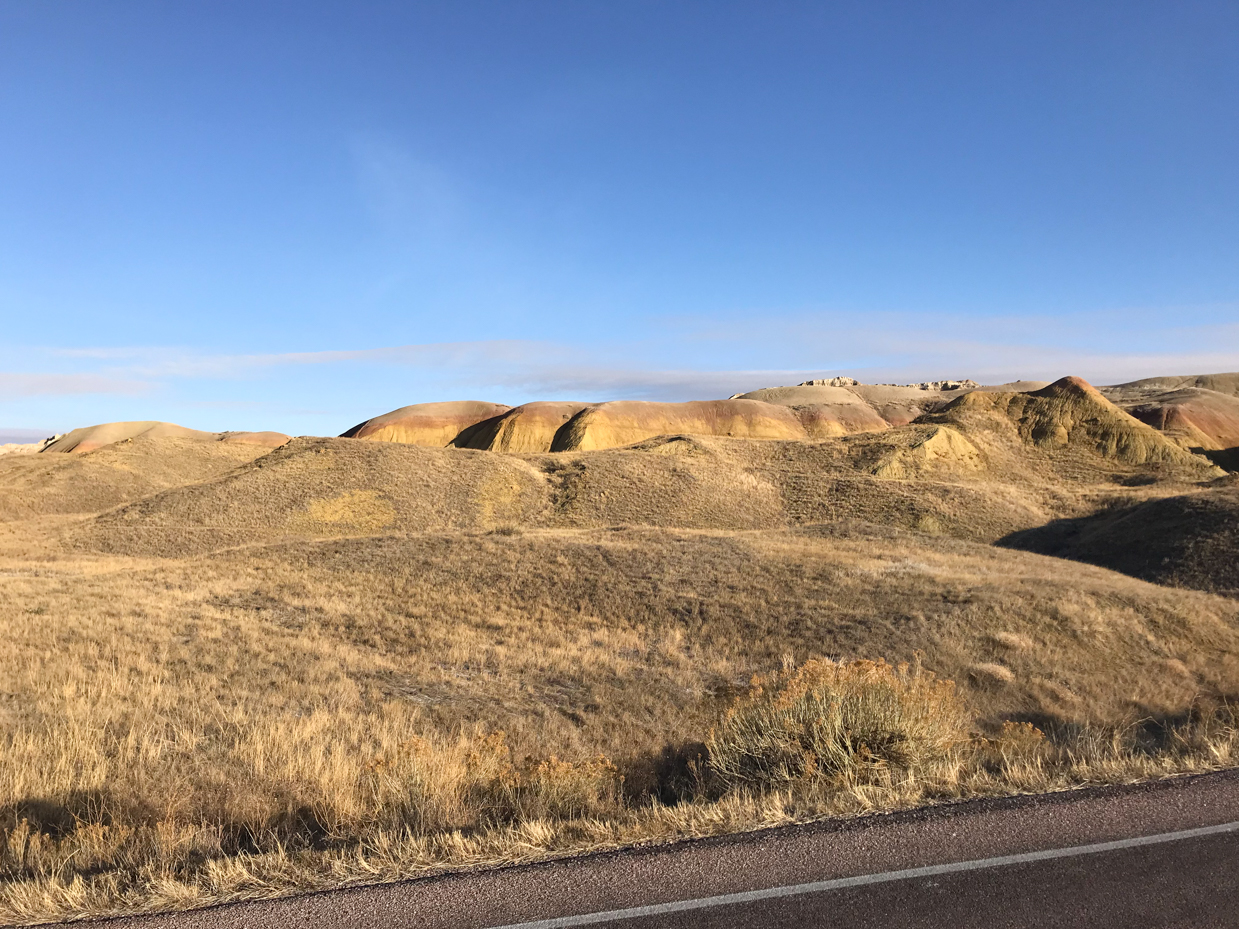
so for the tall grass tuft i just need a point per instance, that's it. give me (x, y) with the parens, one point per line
(855, 720)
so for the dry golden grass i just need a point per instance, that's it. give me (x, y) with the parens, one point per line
(32, 485)
(353, 661)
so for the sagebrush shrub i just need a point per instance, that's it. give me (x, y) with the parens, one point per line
(827, 719)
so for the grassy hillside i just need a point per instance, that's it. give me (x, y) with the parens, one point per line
(51, 484)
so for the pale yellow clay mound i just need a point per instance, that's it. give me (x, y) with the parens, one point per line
(263, 439)
(20, 448)
(89, 438)
(430, 424)
(843, 406)
(941, 450)
(528, 428)
(625, 422)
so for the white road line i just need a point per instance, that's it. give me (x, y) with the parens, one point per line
(795, 890)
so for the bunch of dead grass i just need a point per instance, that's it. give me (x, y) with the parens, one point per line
(858, 721)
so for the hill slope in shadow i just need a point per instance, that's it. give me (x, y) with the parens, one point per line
(1189, 540)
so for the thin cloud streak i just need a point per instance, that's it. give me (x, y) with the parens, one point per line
(154, 362)
(15, 385)
(537, 369)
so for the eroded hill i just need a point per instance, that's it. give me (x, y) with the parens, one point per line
(987, 465)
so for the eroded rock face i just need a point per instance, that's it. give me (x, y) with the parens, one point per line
(434, 425)
(831, 382)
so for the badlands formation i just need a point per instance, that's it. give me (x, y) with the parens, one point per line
(1047, 467)
(237, 645)
(813, 410)
(1197, 413)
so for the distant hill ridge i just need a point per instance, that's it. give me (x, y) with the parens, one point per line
(1201, 420)
(1033, 464)
(1197, 413)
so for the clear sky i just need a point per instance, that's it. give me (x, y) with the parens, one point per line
(243, 215)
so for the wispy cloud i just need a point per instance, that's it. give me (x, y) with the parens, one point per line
(14, 385)
(156, 362)
(878, 350)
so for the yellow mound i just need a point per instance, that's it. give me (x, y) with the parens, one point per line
(20, 448)
(625, 422)
(327, 487)
(823, 421)
(89, 438)
(939, 449)
(833, 409)
(262, 439)
(430, 424)
(806, 395)
(1071, 413)
(91, 482)
(528, 428)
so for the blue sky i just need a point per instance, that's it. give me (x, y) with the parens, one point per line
(242, 215)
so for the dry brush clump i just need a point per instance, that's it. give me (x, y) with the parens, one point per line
(856, 721)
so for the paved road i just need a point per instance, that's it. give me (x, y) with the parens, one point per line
(1064, 860)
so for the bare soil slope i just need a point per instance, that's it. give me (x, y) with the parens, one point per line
(1220, 383)
(1200, 412)
(528, 428)
(88, 438)
(625, 422)
(431, 424)
(1193, 417)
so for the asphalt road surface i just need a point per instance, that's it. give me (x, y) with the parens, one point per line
(1162, 854)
